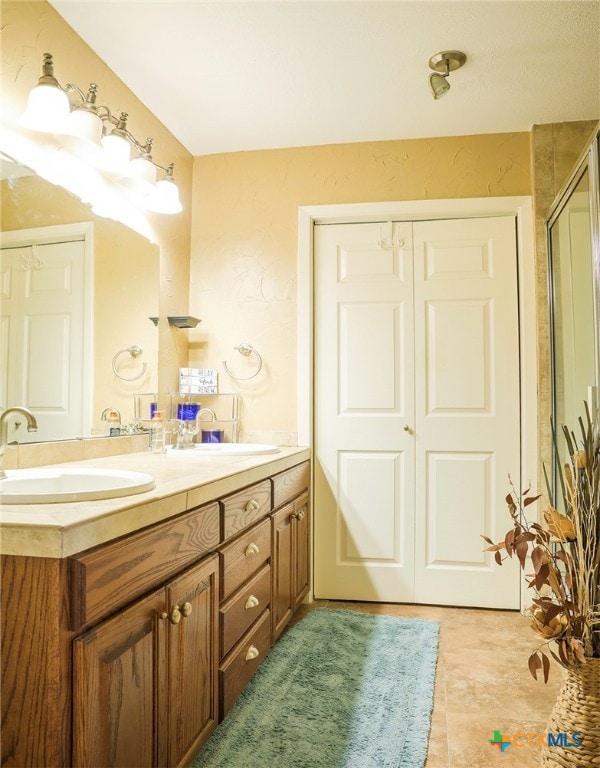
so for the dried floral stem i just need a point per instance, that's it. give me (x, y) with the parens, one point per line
(565, 553)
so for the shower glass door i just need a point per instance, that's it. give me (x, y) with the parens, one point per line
(573, 253)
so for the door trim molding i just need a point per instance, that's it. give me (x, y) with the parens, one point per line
(57, 233)
(520, 207)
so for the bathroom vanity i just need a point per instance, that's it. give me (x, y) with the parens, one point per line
(130, 626)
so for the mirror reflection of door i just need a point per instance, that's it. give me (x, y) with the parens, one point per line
(42, 325)
(573, 330)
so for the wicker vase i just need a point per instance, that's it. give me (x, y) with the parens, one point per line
(577, 709)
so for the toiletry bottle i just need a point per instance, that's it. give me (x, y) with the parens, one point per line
(157, 436)
(113, 424)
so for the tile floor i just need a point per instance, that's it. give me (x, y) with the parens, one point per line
(482, 684)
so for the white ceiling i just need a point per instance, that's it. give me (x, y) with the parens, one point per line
(228, 76)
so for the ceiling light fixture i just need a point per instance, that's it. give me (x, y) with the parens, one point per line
(102, 140)
(443, 63)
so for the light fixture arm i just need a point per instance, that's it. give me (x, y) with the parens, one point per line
(100, 139)
(104, 112)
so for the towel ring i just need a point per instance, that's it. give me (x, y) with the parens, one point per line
(134, 351)
(245, 349)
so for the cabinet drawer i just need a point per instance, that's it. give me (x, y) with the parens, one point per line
(112, 575)
(243, 661)
(243, 608)
(244, 556)
(287, 485)
(246, 507)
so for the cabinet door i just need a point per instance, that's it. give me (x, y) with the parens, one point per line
(192, 603)
(301, 561)
(118, 682)
(283, 557)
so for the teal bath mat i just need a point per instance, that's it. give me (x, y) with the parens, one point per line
(341, 689)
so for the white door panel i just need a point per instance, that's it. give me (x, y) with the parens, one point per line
(467, 430)
(362, 347)
(417, 409)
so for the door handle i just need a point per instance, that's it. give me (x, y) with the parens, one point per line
(407, 429)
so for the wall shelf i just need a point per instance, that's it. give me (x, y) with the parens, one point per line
(179, 321)
(183, 321)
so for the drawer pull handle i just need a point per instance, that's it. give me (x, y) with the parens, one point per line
(252, 653)
(252, 505)
(252, 602)
(174, 616)
(186, 609)
(251, 549)
(298, 515)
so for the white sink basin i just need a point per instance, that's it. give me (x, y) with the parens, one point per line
(45, 486)
(226, 449)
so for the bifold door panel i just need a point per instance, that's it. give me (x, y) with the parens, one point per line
(416, 409)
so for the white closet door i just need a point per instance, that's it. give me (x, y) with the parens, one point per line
(364, 524)
(42, 336)
(416, 408)
(467, 420)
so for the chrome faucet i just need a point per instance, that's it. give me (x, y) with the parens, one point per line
(206, 410)
(31, 427)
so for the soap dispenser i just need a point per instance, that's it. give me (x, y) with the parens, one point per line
(113, 424)
(157, 434)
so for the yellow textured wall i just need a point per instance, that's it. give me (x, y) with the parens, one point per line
(244, 241)
(29, 29)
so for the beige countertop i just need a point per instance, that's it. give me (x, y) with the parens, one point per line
(183, 481)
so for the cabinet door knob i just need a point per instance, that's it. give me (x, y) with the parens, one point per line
(252, 505)
(298, 515)
(252, 653)
(174, 616)
(252, 602)
(251, 549)
(186, 609)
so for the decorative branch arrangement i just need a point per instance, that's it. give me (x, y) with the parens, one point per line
(564, 552)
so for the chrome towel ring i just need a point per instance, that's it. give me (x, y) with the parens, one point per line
(245, 349)
(134, 351)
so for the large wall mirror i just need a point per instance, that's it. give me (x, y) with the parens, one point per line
(78, 292)
(574, 267)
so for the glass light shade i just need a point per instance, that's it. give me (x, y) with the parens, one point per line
(85, 124)
(117, 153)
(47, 110)
(140, 176)
(83, 134)
(165, 198)
(439, 85)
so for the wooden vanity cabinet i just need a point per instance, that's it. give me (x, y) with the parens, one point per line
(244, 615)
(139, 644)
(145, 680)
(290, 525)
(291, 536)
(145, 665)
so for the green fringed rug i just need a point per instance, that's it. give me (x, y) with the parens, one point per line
(341, 689)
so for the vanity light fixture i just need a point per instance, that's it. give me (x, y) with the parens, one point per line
(443, 63)
(96, 136)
